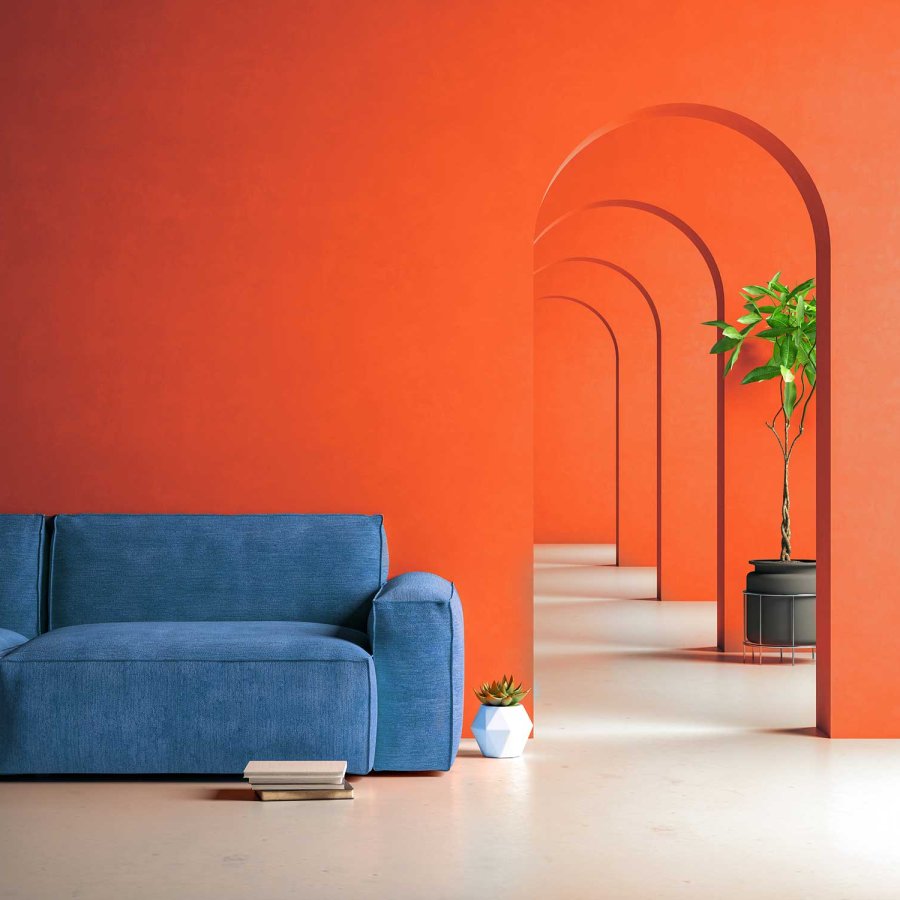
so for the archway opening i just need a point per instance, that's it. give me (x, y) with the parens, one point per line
(731, 542)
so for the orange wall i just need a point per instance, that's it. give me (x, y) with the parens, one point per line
(280, 258)
(574, 426)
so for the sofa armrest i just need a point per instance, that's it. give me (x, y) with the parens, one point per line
(9, 640)
(416, 633)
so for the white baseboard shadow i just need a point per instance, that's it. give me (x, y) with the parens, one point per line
(608, 583)
(547, 555)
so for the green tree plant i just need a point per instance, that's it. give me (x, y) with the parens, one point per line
(785, 317)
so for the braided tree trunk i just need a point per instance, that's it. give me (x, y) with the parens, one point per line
(786, 513)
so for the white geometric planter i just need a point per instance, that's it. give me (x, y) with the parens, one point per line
(502, 731)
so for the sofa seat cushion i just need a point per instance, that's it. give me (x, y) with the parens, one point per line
(182, 697)
(251, 641)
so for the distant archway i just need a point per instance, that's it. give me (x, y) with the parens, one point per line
(719, 289)
(812, 200)
(615, 344)
(645, 294)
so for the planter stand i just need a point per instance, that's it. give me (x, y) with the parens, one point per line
(760, 645)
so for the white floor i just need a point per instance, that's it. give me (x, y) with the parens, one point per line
(660, 769)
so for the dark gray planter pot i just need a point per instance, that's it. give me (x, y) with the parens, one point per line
(780, 606)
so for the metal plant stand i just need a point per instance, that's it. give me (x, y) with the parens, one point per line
(757, 646)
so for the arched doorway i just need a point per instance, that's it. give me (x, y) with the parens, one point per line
(728, 599)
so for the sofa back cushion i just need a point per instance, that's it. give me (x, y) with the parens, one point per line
(21, 573)
(134, 568)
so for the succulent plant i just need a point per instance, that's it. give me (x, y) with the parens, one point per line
(504, 692)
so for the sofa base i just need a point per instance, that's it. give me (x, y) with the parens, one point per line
(141, 718)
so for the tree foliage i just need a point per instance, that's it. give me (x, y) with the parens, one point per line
(784, 317)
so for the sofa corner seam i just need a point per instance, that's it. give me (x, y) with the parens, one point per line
(452, 692)
(38, 576)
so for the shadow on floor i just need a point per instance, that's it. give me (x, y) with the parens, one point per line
(244, 792)
(353, 778)
(469, 752)
(712, 654)
(620, 582)
(697, 654)
(686, 654)
(811, 731)
(575, 554)
(235, 793)
(580, 599)
(187, 777)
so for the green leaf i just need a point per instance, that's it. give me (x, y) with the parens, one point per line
(803, 288)
(757, 290)
(790, 398)
(731, 332)
(788, 351)
(767, 309)
(770, 333)
(776, 285)
(776, 354)
(723, 344)
(811, 376)
(761, 373)
(786, 374)
(718, 323)
(750, 318)
(732, 360)
(789, 354)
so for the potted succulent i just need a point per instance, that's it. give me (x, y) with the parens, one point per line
(502, 724)
(785, 318)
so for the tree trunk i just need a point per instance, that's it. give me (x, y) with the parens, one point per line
(786, 514)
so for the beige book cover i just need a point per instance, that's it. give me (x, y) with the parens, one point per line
(342, 792)
(293, 785)
(297, 771)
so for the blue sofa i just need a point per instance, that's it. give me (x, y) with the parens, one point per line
(194, 643)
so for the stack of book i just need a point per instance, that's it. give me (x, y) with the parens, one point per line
(299, 780)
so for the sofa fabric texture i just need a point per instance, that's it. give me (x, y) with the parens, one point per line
(192, 644)
(22, 573)
(416, 630)
(191, 715)
(133, 568)
(210, 641)
(9, 640)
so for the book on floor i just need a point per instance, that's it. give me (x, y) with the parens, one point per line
(292, 786)
(335, 792)
(296, 771)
